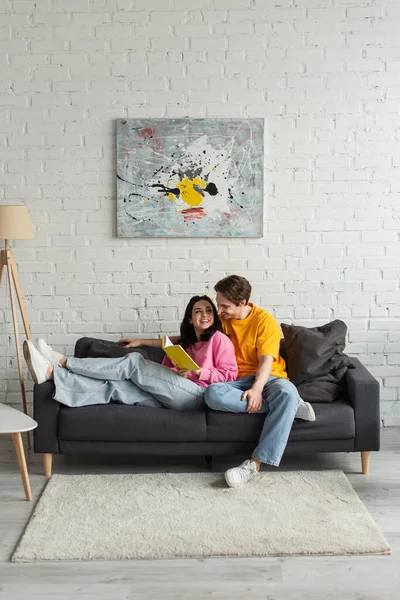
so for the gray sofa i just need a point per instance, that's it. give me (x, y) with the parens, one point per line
(349, 424)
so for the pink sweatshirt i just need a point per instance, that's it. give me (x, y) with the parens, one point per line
(215, 357)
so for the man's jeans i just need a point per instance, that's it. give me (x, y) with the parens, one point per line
(128, 380)
(280, 400)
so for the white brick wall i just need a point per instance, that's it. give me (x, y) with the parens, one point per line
(323, 74)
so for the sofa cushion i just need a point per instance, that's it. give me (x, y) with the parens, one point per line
(315, 359)
(121, 423)
(333, 421)
(97, 348)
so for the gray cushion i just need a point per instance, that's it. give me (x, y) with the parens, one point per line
(104, 349)
(117, 422)
(315, 359)
(333, 421)
(96, 348)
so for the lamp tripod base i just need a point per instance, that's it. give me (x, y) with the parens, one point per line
(7, 261)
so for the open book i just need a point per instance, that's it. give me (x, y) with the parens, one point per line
(178, 355)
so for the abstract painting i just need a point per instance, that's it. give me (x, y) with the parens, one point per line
(190, 177)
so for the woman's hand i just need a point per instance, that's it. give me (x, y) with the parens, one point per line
(130, 342)
(185, 372)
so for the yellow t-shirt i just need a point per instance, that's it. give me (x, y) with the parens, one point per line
(256, 335)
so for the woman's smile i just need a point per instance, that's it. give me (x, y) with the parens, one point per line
(202, 316)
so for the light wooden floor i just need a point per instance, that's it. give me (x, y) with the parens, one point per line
(274, 578)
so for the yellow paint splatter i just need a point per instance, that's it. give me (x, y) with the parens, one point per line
(189, 195)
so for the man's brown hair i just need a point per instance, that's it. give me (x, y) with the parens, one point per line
(235, 288)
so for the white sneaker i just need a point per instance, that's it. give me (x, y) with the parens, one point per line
(305, 411)
(37, 364)
(47, 351)
(237, 476)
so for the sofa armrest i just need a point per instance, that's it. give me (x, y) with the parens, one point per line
(363, 393)
(45, 412)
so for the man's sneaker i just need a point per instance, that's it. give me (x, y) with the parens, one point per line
(47, 351)
(305, 411)
(242, 474)
(37, 364)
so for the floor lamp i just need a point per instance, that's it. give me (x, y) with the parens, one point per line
(15, 224)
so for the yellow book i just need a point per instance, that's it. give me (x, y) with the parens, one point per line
(178, 355)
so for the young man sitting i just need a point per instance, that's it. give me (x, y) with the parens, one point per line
(262, 385)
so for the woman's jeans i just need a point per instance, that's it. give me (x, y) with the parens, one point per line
(128, 380)
(280, 400)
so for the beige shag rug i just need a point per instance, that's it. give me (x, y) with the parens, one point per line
(168, 515)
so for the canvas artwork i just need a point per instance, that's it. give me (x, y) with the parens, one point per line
(190, 177)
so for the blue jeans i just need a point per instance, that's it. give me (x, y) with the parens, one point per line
(128, 380)
(280, 400)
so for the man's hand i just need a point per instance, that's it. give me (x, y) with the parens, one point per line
(130, 342)
(254, 399)
(254, 394)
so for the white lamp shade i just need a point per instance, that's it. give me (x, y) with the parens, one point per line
(15, 223)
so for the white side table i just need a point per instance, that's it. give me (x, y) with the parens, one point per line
(15, 422)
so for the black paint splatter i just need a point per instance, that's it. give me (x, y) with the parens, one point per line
(211, 189)
(163, 188)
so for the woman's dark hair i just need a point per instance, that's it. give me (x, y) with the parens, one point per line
(188, 335)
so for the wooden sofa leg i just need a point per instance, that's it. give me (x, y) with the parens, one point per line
(365, 456)
(48, 461)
